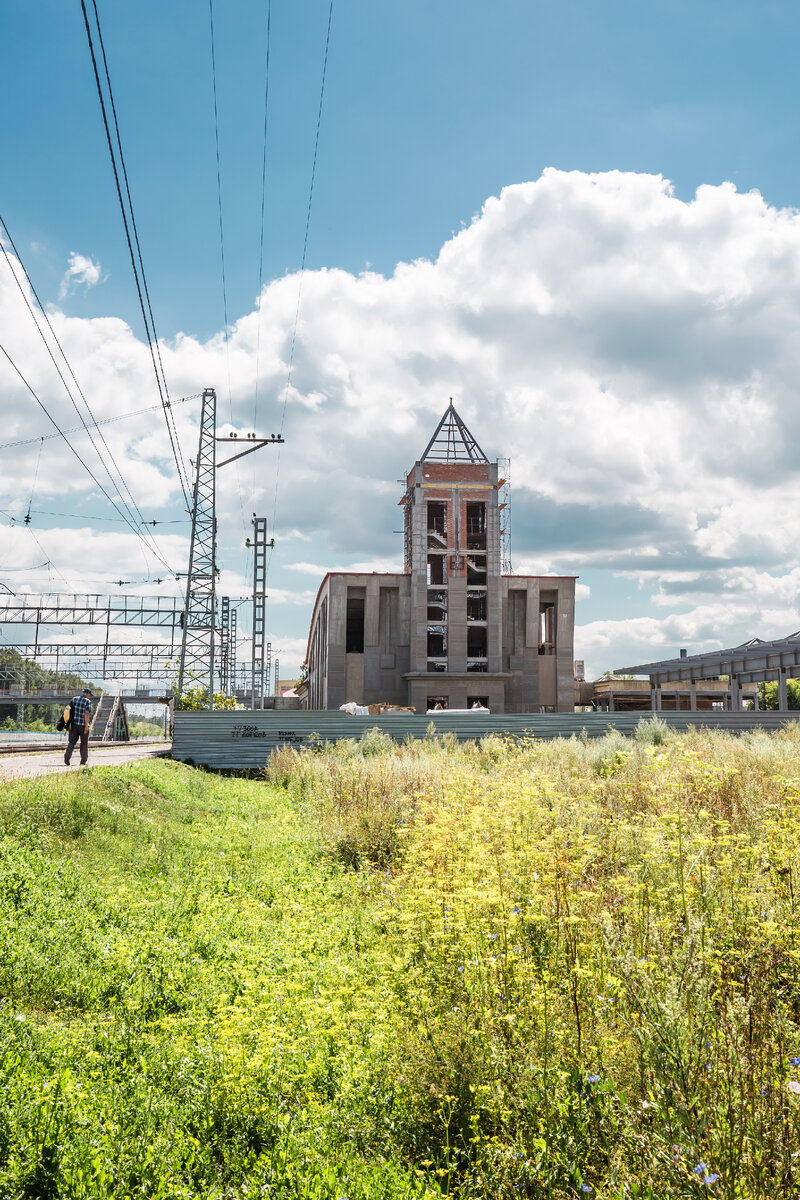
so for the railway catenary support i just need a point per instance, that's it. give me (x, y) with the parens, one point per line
(199, 618)
(197, 660)
(224, 641)
(261, 649)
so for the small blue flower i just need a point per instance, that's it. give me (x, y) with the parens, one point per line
(711, 1178)
(585, 1187)
(517, 910)
(592, 1078)
(795, 1062)
(493, 937)
(700, 1169)
(461, 970)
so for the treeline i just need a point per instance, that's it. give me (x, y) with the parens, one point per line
(18, 672)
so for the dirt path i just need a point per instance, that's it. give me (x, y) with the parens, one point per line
(51, 762)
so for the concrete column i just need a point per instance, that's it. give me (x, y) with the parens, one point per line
(736, 695)
(653, 694)
(693, 695)
(783, 692)
(658, 697)
(755, 698)
(611, 700)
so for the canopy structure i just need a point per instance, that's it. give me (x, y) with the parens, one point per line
(756, 661)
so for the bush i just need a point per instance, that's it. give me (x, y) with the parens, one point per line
(652, 731)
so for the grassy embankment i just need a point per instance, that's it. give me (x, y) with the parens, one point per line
(542, 970)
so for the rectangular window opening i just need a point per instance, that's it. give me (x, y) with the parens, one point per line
(438, 702)
(437, 525)
(354, 633)
(476, 517)
(437, 516)
(547, 628)
(476, 568)
(476, 606)
(476, 641)
(437, 605)
(437, 569)
(437, 641)
(476, 525)
(477, 701)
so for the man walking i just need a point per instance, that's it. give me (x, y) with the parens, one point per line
(79, 728)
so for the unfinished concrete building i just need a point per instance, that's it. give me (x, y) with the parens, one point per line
(451, 629)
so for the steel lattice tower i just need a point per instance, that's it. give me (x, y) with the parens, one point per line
(197, 644)
(224, 643)
(232, 633)
(260, 663)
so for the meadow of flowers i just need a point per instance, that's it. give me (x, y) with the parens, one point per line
(483, 970)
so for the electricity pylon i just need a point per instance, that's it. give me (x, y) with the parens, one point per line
(200, 616)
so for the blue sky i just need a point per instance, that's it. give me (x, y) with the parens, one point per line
(431, 109)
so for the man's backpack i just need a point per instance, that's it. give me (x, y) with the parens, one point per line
(65, 720)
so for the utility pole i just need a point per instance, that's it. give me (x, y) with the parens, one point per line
(224, 643)
(232, 634)
(199, 616)
(259, 646)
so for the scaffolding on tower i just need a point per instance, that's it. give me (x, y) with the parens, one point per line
(504, 500)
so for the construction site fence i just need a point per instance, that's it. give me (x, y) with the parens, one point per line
(244, 740)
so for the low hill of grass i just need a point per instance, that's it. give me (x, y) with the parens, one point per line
(503, 969)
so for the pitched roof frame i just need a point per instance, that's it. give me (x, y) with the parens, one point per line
(452, 441)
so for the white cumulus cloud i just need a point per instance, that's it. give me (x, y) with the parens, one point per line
(81, 272)
(636, 355)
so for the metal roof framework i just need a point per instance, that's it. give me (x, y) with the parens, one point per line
(90, 610)
(755, 661)
(452, 441)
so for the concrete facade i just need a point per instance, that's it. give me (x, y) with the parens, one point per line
(451, 629)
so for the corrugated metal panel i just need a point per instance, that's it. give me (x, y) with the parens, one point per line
(246, 739)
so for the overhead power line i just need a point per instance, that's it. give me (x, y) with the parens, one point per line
(46, 437)
(132, 238)
(119, 482)
(125, 516)
(263, 212)
(290, 369)
(239, 488)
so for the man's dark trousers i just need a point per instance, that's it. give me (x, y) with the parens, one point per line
(74, 736)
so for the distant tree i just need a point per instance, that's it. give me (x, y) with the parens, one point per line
(195, 699)
(18, 672)
(768, 694)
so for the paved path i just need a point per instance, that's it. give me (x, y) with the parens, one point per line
(23, 766)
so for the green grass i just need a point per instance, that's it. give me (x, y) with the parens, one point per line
(481, 970)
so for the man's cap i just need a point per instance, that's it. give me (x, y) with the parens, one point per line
(88, 692)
